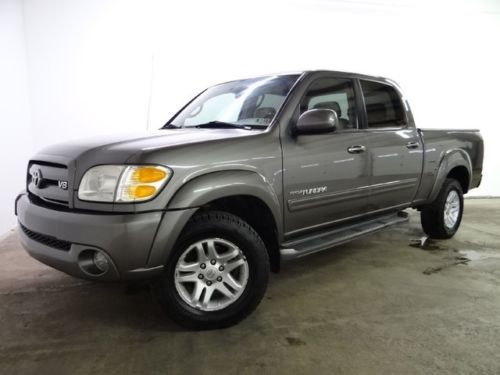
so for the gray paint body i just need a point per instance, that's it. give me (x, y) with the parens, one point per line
(274, 166)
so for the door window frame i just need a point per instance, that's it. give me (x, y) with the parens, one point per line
(357, 102)
(364, 115)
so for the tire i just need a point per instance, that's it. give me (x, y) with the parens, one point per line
(432, 216)
(214, 232)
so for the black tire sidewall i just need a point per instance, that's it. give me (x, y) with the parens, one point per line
(432, 215)
(232, 229)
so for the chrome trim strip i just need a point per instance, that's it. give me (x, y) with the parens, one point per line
(330, 198)
(393, 185)
(318, 200)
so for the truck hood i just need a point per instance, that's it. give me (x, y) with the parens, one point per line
(120, 148)
(176, 148)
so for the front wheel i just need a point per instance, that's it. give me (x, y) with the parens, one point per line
(441, 218)
(217, 274)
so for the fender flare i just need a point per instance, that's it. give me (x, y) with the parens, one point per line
(208, 187)
(202, 190)
(452, 158)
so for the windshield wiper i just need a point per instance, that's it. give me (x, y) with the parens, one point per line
(170, 126)
(222, 125)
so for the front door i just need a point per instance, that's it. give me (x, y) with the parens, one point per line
(326, 176)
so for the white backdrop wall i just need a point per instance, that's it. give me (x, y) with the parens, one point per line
(106, 66)
(16, 138)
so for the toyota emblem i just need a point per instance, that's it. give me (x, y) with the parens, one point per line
(36, 177)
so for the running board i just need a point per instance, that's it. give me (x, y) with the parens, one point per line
(325, 240)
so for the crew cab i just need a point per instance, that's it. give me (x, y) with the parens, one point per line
(247, 175)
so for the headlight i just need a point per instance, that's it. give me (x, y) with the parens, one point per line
(99, 183)
(120, 183)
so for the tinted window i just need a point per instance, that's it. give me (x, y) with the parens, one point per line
(383, 105)
(336, 94)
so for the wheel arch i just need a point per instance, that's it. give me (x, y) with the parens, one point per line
(210, 187)
(456, 164)
(462, 175)
(258, 215)
(243, 193)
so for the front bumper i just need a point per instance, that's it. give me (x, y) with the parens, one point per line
(132, 242)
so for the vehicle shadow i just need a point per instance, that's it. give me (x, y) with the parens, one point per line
(61, 305)
(58, 305)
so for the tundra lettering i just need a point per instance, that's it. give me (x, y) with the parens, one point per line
(316, 190)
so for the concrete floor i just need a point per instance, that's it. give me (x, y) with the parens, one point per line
(374, 306)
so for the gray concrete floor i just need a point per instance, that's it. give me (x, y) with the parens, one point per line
(374, 306)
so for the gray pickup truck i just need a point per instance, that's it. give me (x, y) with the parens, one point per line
(248, 174)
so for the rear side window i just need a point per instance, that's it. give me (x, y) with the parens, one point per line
(383, 105)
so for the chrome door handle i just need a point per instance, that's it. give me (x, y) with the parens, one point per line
(356, 149)
(412, 145)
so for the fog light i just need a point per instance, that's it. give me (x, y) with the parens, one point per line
(101, 262)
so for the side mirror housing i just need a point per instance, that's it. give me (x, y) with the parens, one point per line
(316, 121)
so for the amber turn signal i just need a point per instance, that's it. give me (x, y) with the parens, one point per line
(148, 174)
(141, 191)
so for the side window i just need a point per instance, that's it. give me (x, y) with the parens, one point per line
(383, 105)
(336, 94)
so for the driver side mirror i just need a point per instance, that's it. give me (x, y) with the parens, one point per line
(317, 121)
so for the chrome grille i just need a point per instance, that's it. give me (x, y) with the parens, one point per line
(45, 179)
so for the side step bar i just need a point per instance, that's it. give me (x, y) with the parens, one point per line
(322, 241)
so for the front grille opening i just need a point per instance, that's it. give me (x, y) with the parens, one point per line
(47, 163)
(52, 204)
(56, 201)
(46, 240)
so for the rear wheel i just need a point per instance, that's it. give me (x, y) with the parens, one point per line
(441, 219)
(217, 274)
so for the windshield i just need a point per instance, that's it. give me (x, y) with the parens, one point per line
(250, 103)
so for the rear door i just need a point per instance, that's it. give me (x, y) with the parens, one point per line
(394, 145)
(325, 179)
